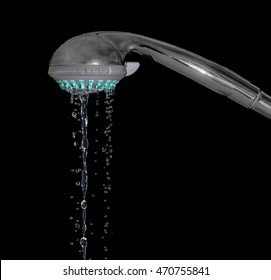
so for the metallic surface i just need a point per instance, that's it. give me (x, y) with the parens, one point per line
(111, 48)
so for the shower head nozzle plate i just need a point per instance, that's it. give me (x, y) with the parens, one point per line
(90, 78)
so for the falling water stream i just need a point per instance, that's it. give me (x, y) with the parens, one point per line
(107, 150)
(103, 153)
(84, 172)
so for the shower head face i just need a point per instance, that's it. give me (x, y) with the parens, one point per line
(89, 63)
(87, 78)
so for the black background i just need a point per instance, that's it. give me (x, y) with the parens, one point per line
(191, 169)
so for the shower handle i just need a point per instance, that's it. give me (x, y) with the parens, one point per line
(203, 71)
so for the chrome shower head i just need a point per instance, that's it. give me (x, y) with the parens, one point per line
(89, 63)
(96, 61)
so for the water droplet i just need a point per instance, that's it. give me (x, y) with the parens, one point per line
(71, 218)
(103, 149)
(93, 195)
(77, 183)
(83, 242)
(84, 204)
(78, 170)
(72, 170)
(74, 115)
(71, 197)
(77, 226)
(96, 140)
(91, 233)
(75, 144)
(91, 224)
(74, 134)
(71, 243)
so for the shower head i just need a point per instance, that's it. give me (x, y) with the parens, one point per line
(89, 63)
(96, 61)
